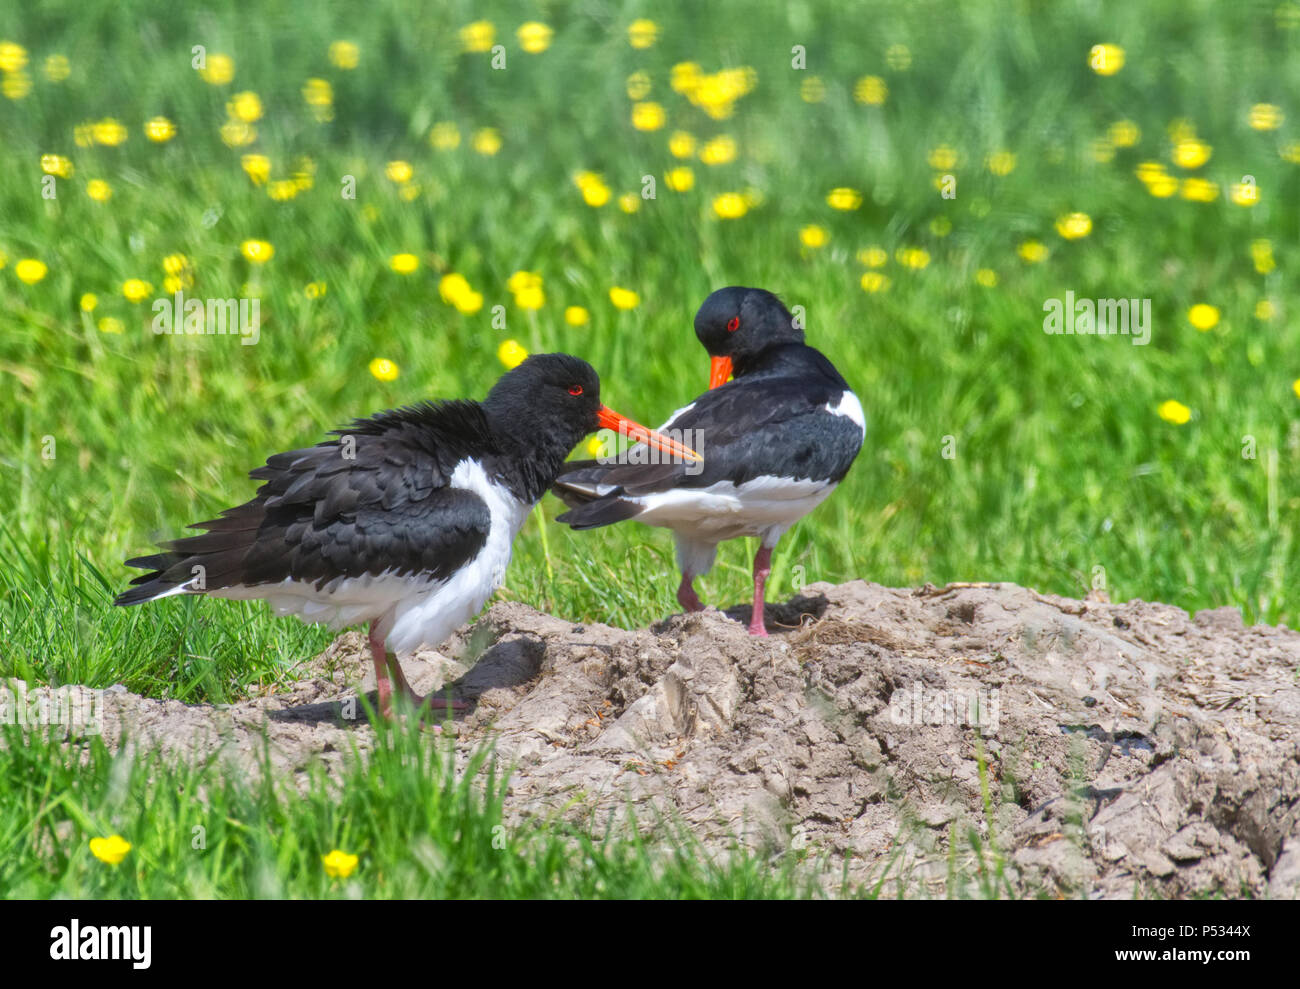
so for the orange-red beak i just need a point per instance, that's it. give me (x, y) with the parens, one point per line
(609, 419)
(719, 371)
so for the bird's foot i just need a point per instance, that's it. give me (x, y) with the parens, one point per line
(687, 598)
(438, 704)
(758, 628)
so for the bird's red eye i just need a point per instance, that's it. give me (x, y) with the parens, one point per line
(733, 324)
(575, 390)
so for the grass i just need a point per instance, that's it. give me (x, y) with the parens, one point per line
(1059, 473)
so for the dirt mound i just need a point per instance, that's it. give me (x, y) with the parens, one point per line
(1094, 749)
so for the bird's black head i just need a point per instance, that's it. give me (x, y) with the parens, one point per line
(540, 410)
(549, 395)
(736, 324)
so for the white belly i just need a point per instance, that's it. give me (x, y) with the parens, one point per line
(765, 506)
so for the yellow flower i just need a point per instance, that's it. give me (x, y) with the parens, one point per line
(873, 257)
(452, 286)
(576, 316)
(912, 257)
(487, 141)
(13, 56)
(595, 447)
(399, 171)
(111, 324)
(237, 134)
(680, 179)
(314, 290)
(404, 264)
(1073, 226)
(57, 165)
(159, 130)
(685, 78)
(111, 849)
(339, 865)
(522, 280)
(1158, 182)
(595, 194)
(1265, 116)
(1264, 309)
(172, 284)
(812, 90)
(409, 191)
(258, 167)
(1191, 152)
(1245, 193)
(136, 289)
(344, 54)
(89, 301)
(1106, 60)
(986, 277)
(257, 251)
(511, 353)
(1199, 190)
(1203, 316)
(445, 136)
(1261, 252)
(57, 68)
(629, 202)
(1295, 387)
(720, 151)
(282, 190)
(1290, 152)
(1001, 163)
(844, 198)
(647, 116)
(871, 91)
(534, 37)
(681, 144)
(638, 85)
(624, 298)
(1124, 134)
(874, 281)
(385, 370)
(30, 270)
(898, 57)
(16, 85)
(813, 236)
(1174, 411)
(530, 297)
(317, 92)
(1032, 252)
(468, 303)
(943, 158)
(220, 69)
(99, 190)
(108, 132)
(730, 206)
(245, 106)
(175, 264)
(477, 37)
(642, 33)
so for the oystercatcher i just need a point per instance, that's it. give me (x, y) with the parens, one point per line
(777, 440)
(404, 521)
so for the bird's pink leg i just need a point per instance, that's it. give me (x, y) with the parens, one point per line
(762, 567)
(686, 595)
(380, 657)
(437, 704)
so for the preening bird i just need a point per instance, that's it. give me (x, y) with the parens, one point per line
(776, 441)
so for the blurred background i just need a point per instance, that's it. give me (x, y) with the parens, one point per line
(419, 195)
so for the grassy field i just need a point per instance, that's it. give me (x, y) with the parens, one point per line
(988, 157)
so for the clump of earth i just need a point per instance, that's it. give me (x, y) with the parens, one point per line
(932, 738)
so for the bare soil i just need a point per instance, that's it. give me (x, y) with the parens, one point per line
(1094, 749)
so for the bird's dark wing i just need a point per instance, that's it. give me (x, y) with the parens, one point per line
(376, 499)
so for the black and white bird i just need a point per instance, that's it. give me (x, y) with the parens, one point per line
(776, 441)
(404, 521)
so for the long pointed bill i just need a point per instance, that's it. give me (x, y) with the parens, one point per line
(609, 419)
(719, 371)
